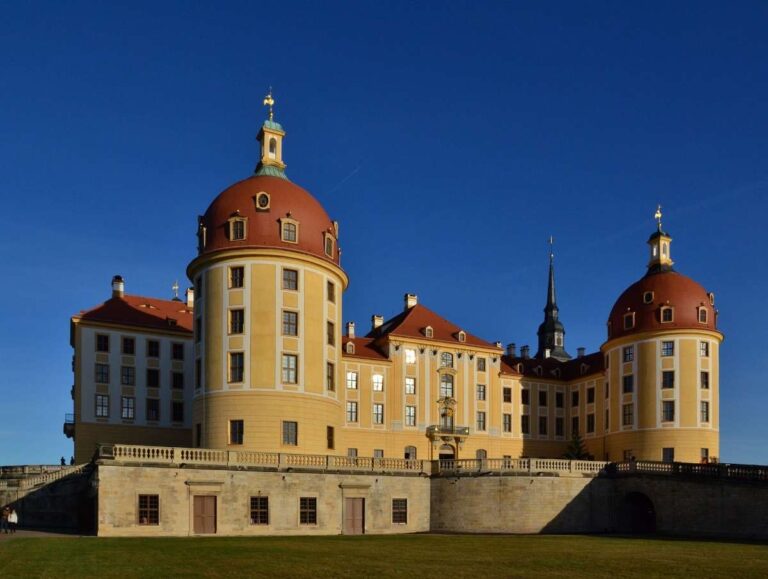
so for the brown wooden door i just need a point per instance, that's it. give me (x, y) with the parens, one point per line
(205, 515)
(354, 516)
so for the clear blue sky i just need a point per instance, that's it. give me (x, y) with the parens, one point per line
(448, 139)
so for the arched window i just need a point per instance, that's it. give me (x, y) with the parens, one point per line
(428, 332)
(703, 315)
(446, 386)
(410, 453)
(481, 454)
(446, 360)
(272, 148)
(664, 250)
(667, 315)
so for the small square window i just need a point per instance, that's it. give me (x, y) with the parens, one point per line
(290, 433)
(236, 276)
(149, 509)
(259, 510)
(667, 348)
(290, 279)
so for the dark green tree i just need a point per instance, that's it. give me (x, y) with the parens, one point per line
(576, 450)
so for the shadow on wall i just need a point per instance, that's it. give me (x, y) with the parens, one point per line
(67, 505)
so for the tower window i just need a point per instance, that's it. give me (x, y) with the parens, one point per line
(667, 314)
(629, 321)
(328, 245)
(272, 148)
(236, 276)
(668, 379)
(290, 279)
(290, 323)
(237, 229)
(236, 363)
(668, 411)
(236, 321)
(290, 365)
(667, 348)
(628, 353)
(703, 315)
(262, 201)
(704, 411)
(648, 297)
(290, 231)
(704, 349)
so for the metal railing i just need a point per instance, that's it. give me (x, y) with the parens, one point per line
(437, 430)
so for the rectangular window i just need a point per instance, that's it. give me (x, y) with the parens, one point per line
(705, 455)
(378, 382)
(290, 433)
(308, 510)
(559, 426)
(628, 384)
(198, 329)
(481, 391)
(399, 511)
(525, 424)
(378, 453)
(177, 351)
(153, 378)
(290, 232)
(329, 437)
(153, 349)
(542, 397)
(410, 356)
(259, 510)
(507, 420)
(102, 373)
(102, 406)
(236, 321)
(542, 425)
(127, 375)
(704, 411)
(149, 509)
(559, 399)
(331, 289)
(410, 385)
(330, 333)
(236, 365)
(238, 229)
(351, 411)
(236, 276)
(127, 408)
(198, 373)
(628, 353)
(481, 364)
(627, 415)
(575, 398)
(290, 365)
(574, 425)
(704, 349)
(102, 343)
(410, 416)
(129, 346)
(352, 452)
(704, 379)
(668, 454)
(177, 380)
(177, 411)
(507, 395)
(290, 279)
(668, 411)
(290, 323)
(378, 414)
(352, 380)
(481, 421)
(667, 348)
(590, 423)
(525, 396)
(153, 409)
(607, 389)
(668, 379)
(330, 377)
(236, 431)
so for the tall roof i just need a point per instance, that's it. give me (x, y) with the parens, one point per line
(142, 312)
(551, 331)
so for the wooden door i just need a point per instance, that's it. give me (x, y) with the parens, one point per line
(205, 515)
(354, 516)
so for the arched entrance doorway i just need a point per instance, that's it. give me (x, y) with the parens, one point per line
(447, 452)
(637, 514)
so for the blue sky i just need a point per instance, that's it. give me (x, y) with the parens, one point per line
(448, 139)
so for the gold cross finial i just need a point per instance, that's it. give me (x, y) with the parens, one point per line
(175, 288)
(657, 215)
(270, 102)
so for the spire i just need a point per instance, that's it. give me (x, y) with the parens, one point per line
(660, 243)
(551, 331)
(271, 138)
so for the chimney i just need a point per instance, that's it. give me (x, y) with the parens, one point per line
(190, 295)
(350, 329)
(580, 352)
(118, 286)
(376, 321)
(526, 352)
(512, 350)
(411, 300)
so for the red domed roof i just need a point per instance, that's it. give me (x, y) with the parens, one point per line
(262, 229)
(669, 288)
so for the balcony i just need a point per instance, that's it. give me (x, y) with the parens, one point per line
(69, 425)
(437, 430)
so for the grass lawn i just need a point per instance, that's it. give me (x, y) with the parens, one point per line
(416, 556)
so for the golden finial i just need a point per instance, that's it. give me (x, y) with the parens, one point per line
(270, 102)
(657, 215)
(175, 288)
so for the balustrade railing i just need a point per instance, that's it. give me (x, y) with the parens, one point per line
(521, 465)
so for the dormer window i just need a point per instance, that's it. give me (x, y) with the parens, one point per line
(703, 315)
(520, 368)
(537, 370)
(429, 332)
(289, 230)
(648, 297)
(237, 229)
(556, 372)
(667, 315)
(329, 245)
(462, 336)
(350, 348)
(629, 320)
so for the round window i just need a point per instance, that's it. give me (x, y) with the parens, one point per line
(262, 200)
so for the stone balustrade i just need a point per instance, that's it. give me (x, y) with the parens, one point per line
(41, 479)
(533, 466)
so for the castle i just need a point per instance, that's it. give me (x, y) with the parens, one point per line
(255, 357)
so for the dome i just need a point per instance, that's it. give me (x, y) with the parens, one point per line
(263, 216)
(648, 296)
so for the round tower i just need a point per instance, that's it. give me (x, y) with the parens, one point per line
(268, 311)
(662, 366)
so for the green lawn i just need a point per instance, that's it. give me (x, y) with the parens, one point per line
(415, 556)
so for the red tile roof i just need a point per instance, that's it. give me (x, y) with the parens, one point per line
(550, 367)
(411, 323)
(142, 312)
(364, 348)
